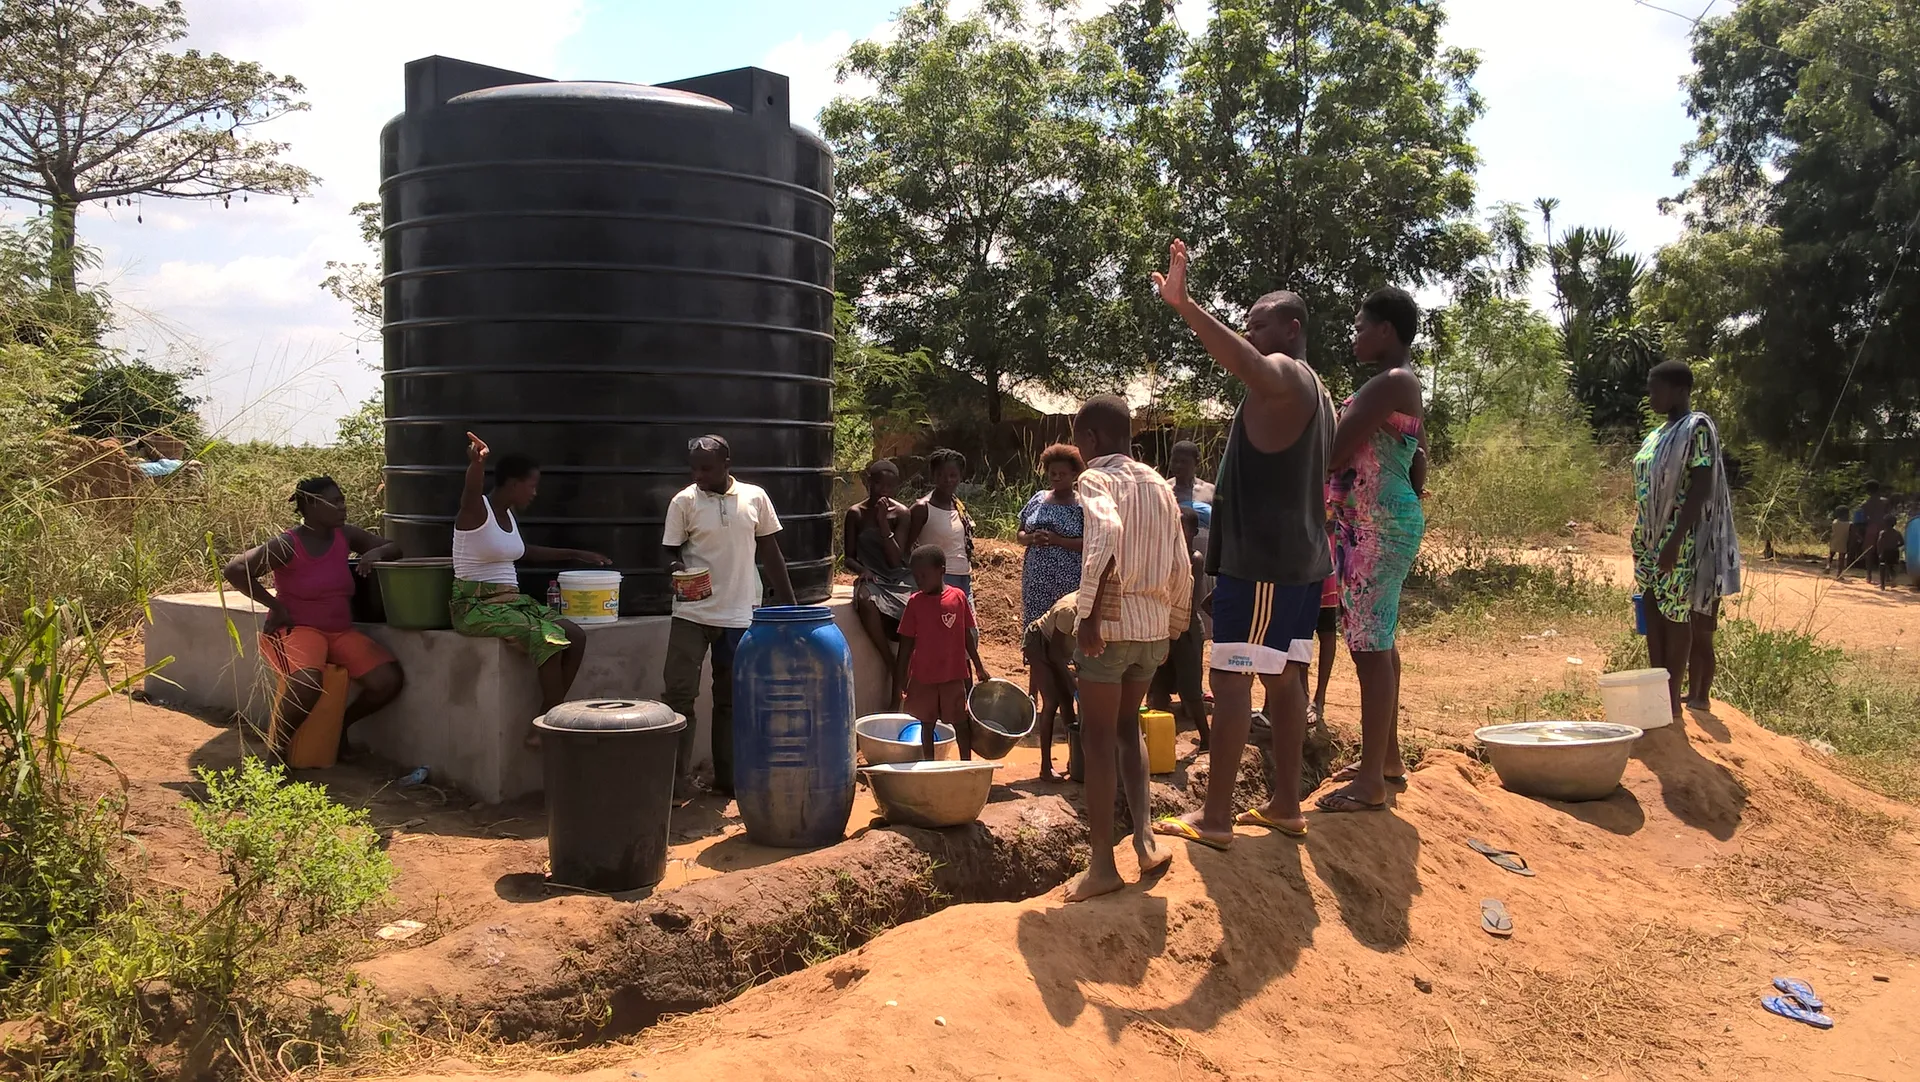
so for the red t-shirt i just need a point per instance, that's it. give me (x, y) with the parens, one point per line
(938, 627)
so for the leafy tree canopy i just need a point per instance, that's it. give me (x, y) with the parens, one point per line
(94, 107)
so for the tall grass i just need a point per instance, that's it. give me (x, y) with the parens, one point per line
(1512, 483)
(56, 873)
(108, 552)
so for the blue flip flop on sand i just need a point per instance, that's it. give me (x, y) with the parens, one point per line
(1787, 1007)
(1801, 991)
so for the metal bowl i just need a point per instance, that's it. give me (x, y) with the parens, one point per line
(1559, 760)
(999, 715)
(931, 794)
(878, 736)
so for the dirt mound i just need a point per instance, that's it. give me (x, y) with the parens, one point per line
(1641, 948)
(587, 967)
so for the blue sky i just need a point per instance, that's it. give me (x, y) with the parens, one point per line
(1583, 104)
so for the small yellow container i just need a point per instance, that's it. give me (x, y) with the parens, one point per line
(1158, 727)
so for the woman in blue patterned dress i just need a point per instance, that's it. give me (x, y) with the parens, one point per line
(1051, 525)
(1050, 528)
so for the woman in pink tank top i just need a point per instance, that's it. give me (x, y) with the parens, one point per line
(309, 622)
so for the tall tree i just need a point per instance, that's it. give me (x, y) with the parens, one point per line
(1609, 341)
(1324, 149)
(93, 107)
(1809, 126)
(963, 231)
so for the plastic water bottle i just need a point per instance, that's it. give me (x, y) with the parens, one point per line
(417, 777)
(553, 593)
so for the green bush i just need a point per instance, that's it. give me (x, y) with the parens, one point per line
(209, 982)
(56, 873)
(1508, 482)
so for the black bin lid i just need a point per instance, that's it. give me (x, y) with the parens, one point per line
(613, 715)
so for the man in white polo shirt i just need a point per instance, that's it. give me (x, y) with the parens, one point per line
(718, 524)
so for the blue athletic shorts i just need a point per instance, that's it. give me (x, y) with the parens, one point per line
(1259, 627)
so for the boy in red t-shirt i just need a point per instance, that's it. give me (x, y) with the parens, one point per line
(938, 637)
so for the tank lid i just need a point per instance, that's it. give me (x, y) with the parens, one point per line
(586, 90)
(615, 715)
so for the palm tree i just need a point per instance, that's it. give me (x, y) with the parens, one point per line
(1608, 342)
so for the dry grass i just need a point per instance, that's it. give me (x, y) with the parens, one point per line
(1633, 1010)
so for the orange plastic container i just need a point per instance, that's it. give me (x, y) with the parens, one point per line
(316, 743)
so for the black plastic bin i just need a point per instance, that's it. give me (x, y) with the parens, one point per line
(609, 774)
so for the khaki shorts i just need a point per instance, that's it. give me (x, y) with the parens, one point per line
(1122, 662)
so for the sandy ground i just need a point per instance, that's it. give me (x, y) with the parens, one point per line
(1641, 950)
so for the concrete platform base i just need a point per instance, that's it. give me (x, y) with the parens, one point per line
(467, 702)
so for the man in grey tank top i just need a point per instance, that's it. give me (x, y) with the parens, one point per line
(1268, 549)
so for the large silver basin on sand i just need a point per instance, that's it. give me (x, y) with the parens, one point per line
(1559, 760)
(931, 794)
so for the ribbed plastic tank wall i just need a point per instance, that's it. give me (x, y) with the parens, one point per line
(594, 274)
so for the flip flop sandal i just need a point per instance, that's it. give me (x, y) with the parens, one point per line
(1801, 991)
(1511, 861)
(1787, 1008)
(1494, 918)
(1180, 828)
(1254, 817)
(1340, 803)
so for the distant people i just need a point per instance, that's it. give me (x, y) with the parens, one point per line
(309, 622)
(939, 518)
(1887, 551)
(873, 541)
(1378, 472)
(1268, 549)
(1183, 468)
(721, 524)
(1048, 646)
(487, 602)
(938, 639)
(1872, 517)
(1184, 672)
(1051, 525)
(1838, 536)
(1135, 587)
(1685, 555)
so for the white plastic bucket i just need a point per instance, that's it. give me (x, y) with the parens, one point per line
(1637, 697)
(590, 597)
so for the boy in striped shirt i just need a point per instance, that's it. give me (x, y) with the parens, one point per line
(1136, 589)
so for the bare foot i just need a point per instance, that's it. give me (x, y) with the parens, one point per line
(1091, 884)
(1153, 856)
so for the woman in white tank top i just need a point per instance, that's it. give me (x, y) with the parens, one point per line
(939, 518)
(487, 602)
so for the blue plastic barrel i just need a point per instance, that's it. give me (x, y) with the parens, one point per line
(793, 715)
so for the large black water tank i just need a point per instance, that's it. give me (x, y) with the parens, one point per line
(594, 274)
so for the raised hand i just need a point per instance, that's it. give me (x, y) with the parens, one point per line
(476, 448)
(1173, 284)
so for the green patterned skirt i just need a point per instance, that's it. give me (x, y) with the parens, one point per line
(492, 610)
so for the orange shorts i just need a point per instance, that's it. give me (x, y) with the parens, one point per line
(292, 649)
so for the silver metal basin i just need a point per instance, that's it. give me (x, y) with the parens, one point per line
(878, 736)
(931, 794)
(1559, 760)
(1000, 715)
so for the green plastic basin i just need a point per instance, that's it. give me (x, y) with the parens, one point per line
(415, 592)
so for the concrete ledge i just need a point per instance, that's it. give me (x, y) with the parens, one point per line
(467, 701)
